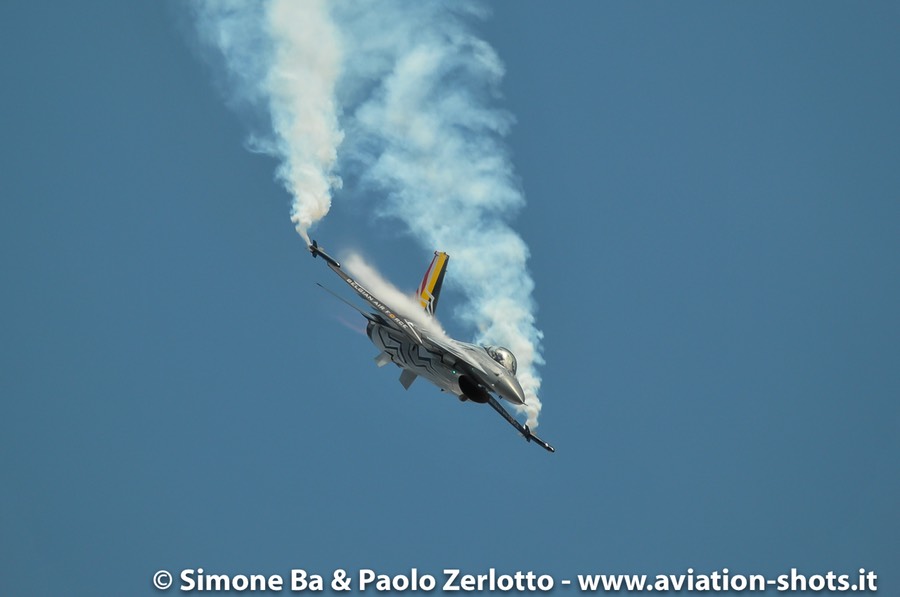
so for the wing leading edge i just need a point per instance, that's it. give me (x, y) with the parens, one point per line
(523, 429)
(390, 318)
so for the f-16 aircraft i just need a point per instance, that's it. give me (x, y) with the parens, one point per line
(468, 371)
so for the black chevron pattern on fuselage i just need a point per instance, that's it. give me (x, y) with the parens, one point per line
(409, 355)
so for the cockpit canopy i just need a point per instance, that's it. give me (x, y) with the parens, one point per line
(503, 356)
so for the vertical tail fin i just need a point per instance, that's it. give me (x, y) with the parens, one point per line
(430, 288)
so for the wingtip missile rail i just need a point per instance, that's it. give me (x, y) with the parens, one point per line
(530, 437)
(316, 251)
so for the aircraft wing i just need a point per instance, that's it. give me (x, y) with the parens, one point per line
(388, 316)
(523, 429)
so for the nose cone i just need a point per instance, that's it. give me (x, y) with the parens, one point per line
(509, 388)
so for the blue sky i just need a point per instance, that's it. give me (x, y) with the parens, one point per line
(713, 210)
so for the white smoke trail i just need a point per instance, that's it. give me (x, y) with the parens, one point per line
(402, 303)
(426, 135)
(418, 89)
(286, 56)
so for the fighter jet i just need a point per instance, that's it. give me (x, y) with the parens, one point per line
(468, 371)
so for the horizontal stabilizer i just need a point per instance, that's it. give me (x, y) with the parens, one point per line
(407, 377)
(382, 359)
(370, 316)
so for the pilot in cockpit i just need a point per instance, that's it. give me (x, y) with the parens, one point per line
(502, 356)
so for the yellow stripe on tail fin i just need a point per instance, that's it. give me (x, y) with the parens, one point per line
(430, 288)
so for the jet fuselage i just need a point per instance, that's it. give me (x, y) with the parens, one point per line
(468, 371)
(467, 378)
